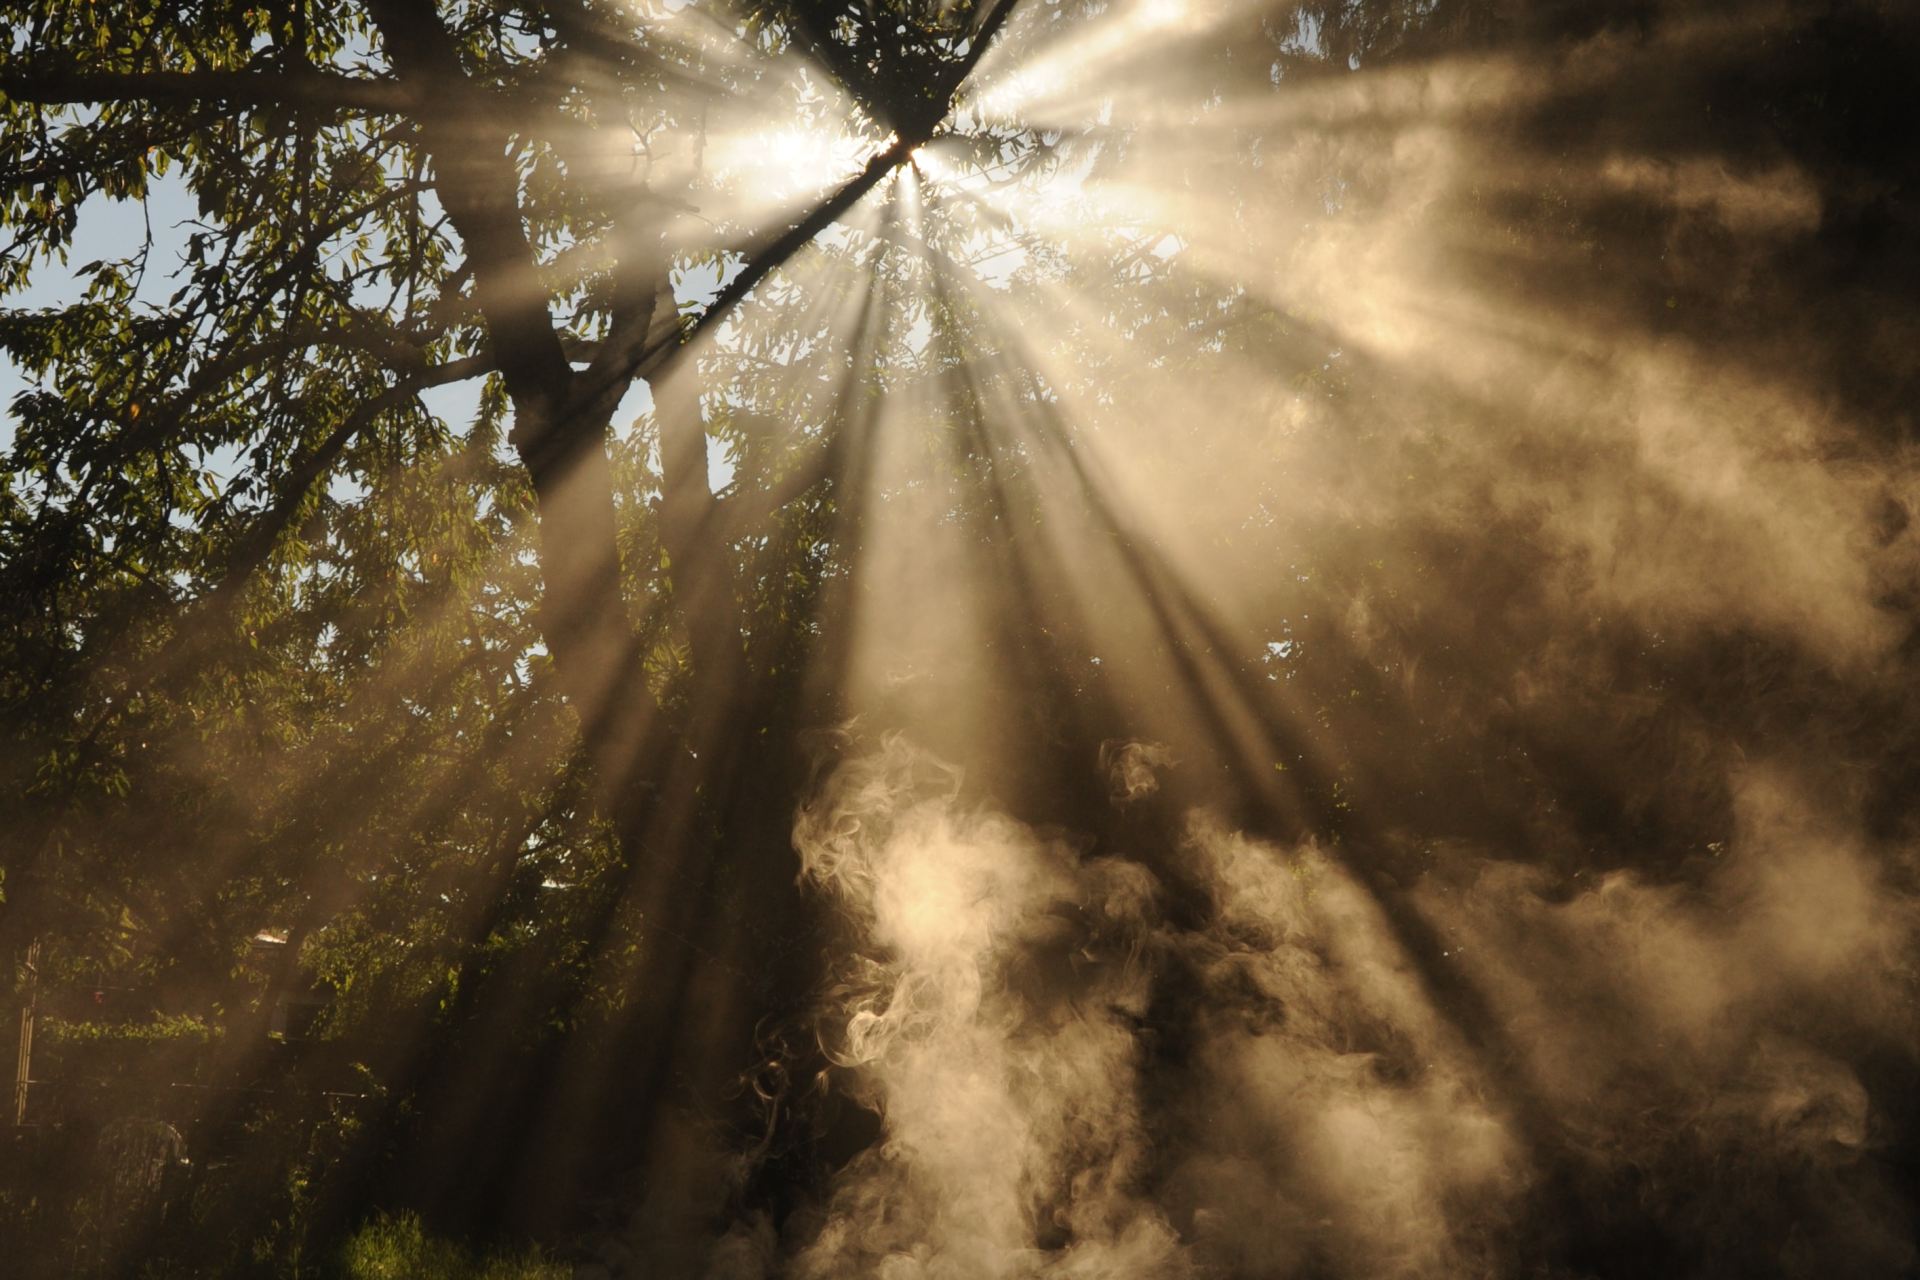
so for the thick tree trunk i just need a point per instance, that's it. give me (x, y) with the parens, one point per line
(560, 416)
(708, 874)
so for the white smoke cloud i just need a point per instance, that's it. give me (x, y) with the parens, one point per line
(1071, 1084)
(990, 1022)
(1130, 768)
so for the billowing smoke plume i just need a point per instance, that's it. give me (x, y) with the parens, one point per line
(1074, 1082)
(991, 1018)
(1130, 768)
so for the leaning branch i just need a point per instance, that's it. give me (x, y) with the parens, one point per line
(253, 549)
(289, 87)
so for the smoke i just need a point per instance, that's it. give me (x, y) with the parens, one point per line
(991, 1019)
(1076, 1079)
(1129, 768)
(1718, 1034)
(1329, 1118)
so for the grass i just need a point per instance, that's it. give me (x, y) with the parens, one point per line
(397, 1248)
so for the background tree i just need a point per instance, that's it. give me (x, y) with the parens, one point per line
(390, 201)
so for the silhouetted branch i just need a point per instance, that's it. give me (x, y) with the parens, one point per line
(304, 87)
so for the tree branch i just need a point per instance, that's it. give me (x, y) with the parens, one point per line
(302, 87)
(253, 549)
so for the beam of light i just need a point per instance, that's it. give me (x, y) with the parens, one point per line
(1031, 77)
(785, 168)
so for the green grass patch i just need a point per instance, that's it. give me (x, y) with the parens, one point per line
(398, 1248)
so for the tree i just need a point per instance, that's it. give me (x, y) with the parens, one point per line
(450, 177)
(392, 200)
